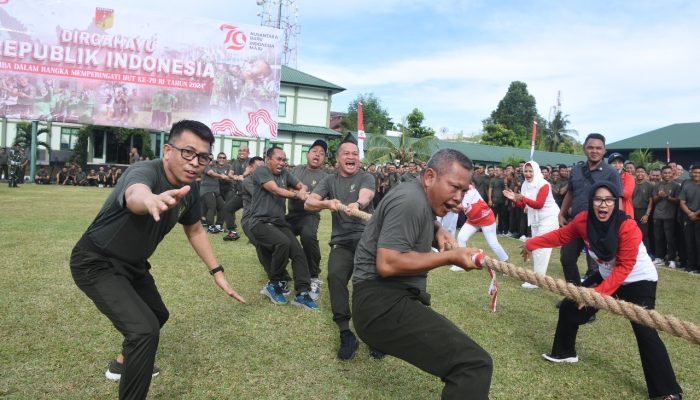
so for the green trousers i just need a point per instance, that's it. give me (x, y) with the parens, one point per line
(393, 318)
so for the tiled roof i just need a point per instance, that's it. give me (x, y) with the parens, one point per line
(295, 77)
(678, 136)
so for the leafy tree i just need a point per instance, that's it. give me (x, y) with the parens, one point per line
(645, 158)
(376, 118)
(557, 137)
(499, 135)
(516, 110)
(383, 149)
(414, 122)
(24, 136)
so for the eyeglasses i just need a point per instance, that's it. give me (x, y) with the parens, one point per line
(608, 201)
(221, 157)
(189, 155)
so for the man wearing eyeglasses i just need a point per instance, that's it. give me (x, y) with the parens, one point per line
(110, 262)
(272, 184)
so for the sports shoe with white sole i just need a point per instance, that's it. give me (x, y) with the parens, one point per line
(272, 291)
(303, 300)
(315, 291)
(115, 370)
(455, 268)
(557, 359)
(528, 285)
(658, 261)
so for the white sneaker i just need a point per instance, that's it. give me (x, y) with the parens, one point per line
(315, 291)
(672, 264)
(557, 359)
(523, 238)
(528, 285)
(455, 268)
(658, 261)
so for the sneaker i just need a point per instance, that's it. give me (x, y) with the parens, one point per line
(523, 238)
(376, 354)
(676, 396)
(348, 345)
(232, 235)
(558, 359)
(272, 291)
(114, 371)
(527, 285)
(304, 300)
(672, 264)
(455, 268)
(658, 261)
(284, 287)
(315, 292)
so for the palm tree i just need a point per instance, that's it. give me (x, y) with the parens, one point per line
(383, 149)
(24, 137)
(557, 133)
(644, 158)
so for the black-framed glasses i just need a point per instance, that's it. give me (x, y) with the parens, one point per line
(608, 201)
(189, 155)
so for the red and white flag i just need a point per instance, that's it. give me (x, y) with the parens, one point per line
(668, 152)
(360, 130)
(534, 137)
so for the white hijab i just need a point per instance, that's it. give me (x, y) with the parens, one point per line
(530, 189)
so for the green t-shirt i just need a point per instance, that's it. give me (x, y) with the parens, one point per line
(691, 195)
(310, 178)
(238, 168)
(664, 209)
(497, 185)
(209, 183)
(642, 194)
(347, 190)
(481, 183)
(118, 233)
(246, 193)
(266, 207)
(403, 222)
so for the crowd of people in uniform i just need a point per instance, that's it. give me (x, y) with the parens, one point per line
(592, 206)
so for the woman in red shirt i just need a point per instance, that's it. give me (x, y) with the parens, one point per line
(625, 271)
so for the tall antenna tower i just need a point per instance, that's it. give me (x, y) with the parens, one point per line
(284, 15)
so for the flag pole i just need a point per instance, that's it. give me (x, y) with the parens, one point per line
(668, 152)
(532, 141)
(360, 131)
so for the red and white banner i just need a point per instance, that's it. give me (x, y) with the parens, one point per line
(75, 62)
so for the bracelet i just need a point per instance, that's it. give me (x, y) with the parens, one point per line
(359, 205)
(220, 268)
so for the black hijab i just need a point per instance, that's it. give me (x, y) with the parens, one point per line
(603, 236)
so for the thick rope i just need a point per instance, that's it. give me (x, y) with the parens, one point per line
(581, 295)
(591, 298)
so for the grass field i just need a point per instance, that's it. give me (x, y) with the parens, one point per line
(54, 344)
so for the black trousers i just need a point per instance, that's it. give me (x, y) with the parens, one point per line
(501, 212)
(569, 254)
(393, 318)
(133, 305)
(340, 266)
(306, 227)
(692, 244)
(658, 371)
(665, 236)
(638, 214)
(234, 202)
(213, 206)
(281, 245)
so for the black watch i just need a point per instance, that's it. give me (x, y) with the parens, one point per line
(220, 268)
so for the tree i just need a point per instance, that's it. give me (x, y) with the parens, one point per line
(498, 135)
(414, 122)
(24, 136)
(383, 149)
(376, 118)
(515, 112)
(556, 135)
(645, 158)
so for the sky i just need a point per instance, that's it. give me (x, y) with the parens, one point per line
(622, 67)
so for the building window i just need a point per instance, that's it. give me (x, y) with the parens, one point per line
(235, 146)
(304, 151)
(69, 137)
(282, 110)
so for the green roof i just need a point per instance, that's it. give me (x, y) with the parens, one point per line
(482, 153)
(678, 136)
(306, 129)
(295, 77)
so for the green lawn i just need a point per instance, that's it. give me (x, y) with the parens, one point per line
(54, 344)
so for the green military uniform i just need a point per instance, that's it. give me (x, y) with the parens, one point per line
(110, 264)
(305, 223)
(393, 314)
(345, 235)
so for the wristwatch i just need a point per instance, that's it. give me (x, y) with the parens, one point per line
(220, 268)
